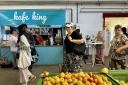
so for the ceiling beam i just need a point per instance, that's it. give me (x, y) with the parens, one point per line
(41, 2)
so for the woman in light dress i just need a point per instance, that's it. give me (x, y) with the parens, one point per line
(24, 57)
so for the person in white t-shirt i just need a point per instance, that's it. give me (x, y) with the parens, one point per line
(13, 46)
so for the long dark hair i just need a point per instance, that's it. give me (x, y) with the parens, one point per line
(22, 29)
(124, 30)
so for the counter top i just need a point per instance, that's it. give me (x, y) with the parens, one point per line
(48, 46)
(2, 46)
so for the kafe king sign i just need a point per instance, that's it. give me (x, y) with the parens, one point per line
(32, 17)
(24, 17)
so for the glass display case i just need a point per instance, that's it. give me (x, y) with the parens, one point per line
(48, 43)
(47, 36)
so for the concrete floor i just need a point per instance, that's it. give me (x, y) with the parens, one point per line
(9, 76)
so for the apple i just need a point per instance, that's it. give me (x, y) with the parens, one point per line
(45, 73)
(105, 70)
(62, 75)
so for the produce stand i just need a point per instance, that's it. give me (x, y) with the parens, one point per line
(112, 76)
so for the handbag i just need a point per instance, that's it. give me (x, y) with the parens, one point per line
(79, 49)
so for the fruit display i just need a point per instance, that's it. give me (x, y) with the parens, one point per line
(81, 78)
(105, 77)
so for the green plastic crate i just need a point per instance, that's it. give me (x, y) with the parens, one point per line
(119, 74)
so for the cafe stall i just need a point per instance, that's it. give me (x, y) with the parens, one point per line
(49, 24)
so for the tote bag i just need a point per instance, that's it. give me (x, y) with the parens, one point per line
(24, 59)
(79, 49)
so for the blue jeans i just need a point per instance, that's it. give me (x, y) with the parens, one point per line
(14, 59)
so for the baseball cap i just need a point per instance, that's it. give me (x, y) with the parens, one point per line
(69, 25)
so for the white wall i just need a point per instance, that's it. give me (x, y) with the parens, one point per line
(90, 23)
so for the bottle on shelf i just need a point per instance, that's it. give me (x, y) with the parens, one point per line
(51, 40)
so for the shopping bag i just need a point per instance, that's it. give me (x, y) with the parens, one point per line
(24, 59)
